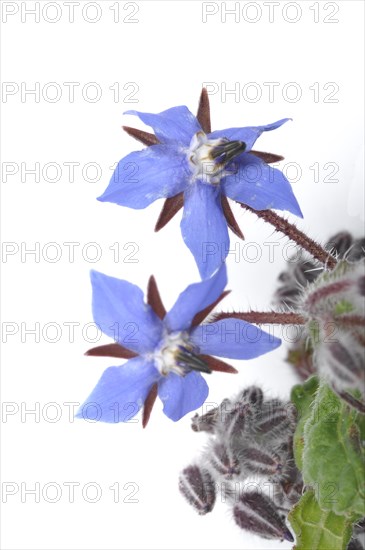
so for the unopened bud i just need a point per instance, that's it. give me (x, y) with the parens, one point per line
(261, 461)
(273, 420)
(357, 250)
(291, 484)
(355, 544)
(238, 424)
(252, 395)
(342, 362)
(335, 293)
(222, 460)
(197, 486)
(340, 244)
(257, 513)
(205, 422)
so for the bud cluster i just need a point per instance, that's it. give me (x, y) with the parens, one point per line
(335, 308)
(248, 438)
(333, 302)
(303, 271)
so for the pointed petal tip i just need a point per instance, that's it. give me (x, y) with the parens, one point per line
(94, 273)
(79, 414)
(296, 211)
(300, 214)
(276, 342)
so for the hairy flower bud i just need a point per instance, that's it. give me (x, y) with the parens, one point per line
(197, 486)
(257, 513)
(355, 544)
(252, 395)
(304, 271)
(260, 461)
(335, 308)
(342, 363)
(358, 540)
(233, 420)
(249, 436)
(336, 293)
(205, 422)
(273, 420)
(222, 460)
(290, 484)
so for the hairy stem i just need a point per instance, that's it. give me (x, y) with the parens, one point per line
(263, 317)
(294, 234)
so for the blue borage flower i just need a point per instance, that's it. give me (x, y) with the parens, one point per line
(167, 351)
(206, 167)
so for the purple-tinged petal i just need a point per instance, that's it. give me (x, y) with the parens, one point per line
(120, 312)
(140, 178)
(120, 392)
(249, 134)
(260, 186)
(234, 339)
(175, 124)
(195, 298)
(182, 394)
(204, 227)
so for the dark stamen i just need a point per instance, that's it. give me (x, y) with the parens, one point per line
(227, 151)
(187, 359)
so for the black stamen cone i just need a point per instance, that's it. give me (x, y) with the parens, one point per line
(187, 359)
(227, 151)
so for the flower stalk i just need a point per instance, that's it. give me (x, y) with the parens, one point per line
(294, 234)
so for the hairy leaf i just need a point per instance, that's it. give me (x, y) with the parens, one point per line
(302, 396)
(317, 529)
(333, 455)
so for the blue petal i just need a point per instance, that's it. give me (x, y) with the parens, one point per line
(204, 227)
(160, 171)
(120, 392)
(120, 312)
(249, 134)
(260, 186)
(182, 394)
(234, 339)
(177, 124)
(195, 298)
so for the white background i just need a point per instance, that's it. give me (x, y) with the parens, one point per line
(166, 52)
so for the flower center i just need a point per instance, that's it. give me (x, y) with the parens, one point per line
(208, 158)
(176, 354)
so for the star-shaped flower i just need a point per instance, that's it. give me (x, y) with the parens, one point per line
(191, 166)
(166, 352)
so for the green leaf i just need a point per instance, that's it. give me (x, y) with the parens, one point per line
(302, 396)
(333, 456)
(316, 529)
